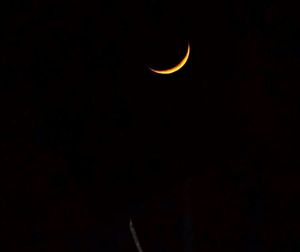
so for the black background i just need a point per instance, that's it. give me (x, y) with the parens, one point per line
(91, 137)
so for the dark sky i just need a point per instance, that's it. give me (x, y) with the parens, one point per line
(90, 136)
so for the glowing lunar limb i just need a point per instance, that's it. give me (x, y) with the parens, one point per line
(177, 67)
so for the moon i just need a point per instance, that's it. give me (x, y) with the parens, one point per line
(175, 68)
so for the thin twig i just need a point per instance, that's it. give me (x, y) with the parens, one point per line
(134, 235)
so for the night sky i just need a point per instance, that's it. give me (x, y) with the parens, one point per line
(205, 159)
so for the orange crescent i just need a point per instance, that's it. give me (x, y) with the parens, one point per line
(175, 68)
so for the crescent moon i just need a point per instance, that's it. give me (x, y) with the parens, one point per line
(175, 68)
